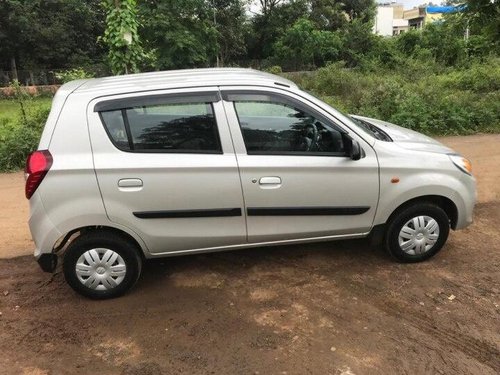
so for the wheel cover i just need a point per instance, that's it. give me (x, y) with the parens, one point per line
(100, 269)
(418, 235)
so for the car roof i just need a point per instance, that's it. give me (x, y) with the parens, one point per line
(180, 79)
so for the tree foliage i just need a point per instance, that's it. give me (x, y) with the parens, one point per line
(292, 34)
(231, 27)
(121, 36)
(50, 34)
(180, 33)
(302, 45)
(483, 18)
(271, 24)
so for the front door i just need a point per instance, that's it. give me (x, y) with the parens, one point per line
(166, 168)
(297, 180)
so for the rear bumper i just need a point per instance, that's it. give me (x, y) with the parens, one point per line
(43, 231)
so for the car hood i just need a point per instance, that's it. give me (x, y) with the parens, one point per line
(407, 138)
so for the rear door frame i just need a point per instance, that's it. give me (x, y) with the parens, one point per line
(171, 225)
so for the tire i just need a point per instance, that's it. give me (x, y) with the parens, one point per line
(426, 239)
(108, 265)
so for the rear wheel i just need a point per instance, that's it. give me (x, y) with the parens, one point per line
(101, 265)
(417, 232)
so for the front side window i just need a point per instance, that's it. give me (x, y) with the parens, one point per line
(164, 127)
(274, 127)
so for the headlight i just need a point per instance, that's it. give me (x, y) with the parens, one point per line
(461, 163)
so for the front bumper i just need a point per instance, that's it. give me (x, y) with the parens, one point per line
(47, 262)
(467, 196)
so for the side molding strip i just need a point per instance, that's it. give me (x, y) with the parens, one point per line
(307, 211)
(218, 212)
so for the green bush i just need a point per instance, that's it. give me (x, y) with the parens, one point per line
(16, 146)
(275, 69)
(19, 136)
(426, 97)
(73, 74)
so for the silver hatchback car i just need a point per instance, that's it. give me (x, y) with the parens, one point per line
(190, 161)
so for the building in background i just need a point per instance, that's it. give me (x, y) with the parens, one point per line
(422, 15)
(399, 26)
(392, 19)
(389, 20)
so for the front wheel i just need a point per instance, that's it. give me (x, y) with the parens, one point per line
(101, 265)
(417, 232)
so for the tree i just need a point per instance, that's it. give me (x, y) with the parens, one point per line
(445, 43)
(266, 28)
(304, 46)
(268, 6)
(361, 10)
(336, 14)
(483, 19)
(17, 18)
(351, 17)
(328, 14)
(179, 33)
(121, 35)
(66, 32)
(358, 42)
(50, 34)
(231, 27)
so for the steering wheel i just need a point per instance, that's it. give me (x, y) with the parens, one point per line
(311, 133)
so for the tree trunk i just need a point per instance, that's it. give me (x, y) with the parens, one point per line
(13, 68)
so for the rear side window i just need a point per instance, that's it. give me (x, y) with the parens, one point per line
(164, 126)
(113, 120)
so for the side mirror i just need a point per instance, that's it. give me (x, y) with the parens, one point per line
(356, 152)
(352, 148)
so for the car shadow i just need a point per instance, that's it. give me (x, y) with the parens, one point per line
(345, 253)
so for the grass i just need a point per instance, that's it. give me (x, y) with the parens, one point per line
(9, 108)
(10, 111)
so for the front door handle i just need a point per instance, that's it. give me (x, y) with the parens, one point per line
(270, 181)
(130, 183)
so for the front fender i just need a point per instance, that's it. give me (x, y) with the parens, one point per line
(450, 186)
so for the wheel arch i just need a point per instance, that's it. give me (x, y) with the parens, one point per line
(70, 236)
(443, 202)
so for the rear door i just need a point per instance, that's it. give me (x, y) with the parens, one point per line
(166, 168)
(297, 179)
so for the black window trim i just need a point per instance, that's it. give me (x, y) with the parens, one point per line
(297, 153)
(157, 99)
(178, 98)
(126, 124)
(249, 95)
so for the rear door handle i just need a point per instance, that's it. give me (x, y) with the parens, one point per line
(130, 182)
(270, 181)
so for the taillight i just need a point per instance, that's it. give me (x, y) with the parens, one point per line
(37, 166)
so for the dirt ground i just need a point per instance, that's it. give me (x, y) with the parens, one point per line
(328, 308)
